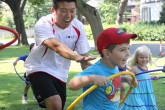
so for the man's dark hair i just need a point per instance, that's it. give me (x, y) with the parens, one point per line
(55, 3)
(31, 46)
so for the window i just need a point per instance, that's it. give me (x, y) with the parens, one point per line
(146, 14)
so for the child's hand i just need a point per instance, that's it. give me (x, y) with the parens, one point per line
(100, 80)
(154, 77)
(129, 81)
(15, 63)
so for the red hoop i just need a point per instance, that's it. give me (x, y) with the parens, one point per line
(12, 41)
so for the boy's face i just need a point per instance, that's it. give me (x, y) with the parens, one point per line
(119, 55)
(143, 59)
(64, 14)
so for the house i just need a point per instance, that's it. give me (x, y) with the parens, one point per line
(150, 10)
(134, 9)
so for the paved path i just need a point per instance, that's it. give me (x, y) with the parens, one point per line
(154, 47)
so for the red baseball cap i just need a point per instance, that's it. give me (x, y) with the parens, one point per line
(112, 36)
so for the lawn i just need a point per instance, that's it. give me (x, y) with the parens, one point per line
(11, 86)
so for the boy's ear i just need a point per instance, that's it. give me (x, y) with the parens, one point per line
(105, 52)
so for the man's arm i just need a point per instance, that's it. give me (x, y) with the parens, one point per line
(64, 50)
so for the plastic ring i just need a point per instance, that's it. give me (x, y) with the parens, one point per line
(12, 41)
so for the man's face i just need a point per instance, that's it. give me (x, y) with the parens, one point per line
(64, 14)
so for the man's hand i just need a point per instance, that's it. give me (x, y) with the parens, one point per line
(84, 59)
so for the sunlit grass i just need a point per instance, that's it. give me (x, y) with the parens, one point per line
(11, 86)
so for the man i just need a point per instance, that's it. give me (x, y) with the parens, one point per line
(57, 36)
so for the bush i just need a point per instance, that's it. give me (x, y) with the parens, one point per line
(146, 31)
(88, 32)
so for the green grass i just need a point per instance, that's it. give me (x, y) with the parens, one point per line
(12, 52)
(11, 86)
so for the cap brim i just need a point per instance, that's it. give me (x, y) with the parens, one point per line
(125, 38)
(133, 35)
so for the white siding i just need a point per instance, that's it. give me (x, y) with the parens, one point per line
(153, 10)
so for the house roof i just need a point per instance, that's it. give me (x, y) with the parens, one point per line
(94, 3)
(133, 3)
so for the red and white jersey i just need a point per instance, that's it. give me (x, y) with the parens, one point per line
(43, 59)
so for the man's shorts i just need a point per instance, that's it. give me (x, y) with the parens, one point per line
(45, 85)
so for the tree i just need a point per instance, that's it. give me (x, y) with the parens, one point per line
(92, 17)
(107, 12)
(162, 14)
(32, 13)
(17, 8)
(122, 7)
(0, 11)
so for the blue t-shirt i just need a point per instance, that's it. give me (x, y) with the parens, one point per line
(102, 98)
(23, 57)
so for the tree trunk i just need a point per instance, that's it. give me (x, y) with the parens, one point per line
(92, 17)
(79, 15)
(18, 20)
(122, 7)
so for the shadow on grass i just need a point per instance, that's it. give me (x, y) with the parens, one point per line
(72, 95)
(11, 92)
(13, 52)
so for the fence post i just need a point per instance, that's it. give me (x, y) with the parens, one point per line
(160, 47)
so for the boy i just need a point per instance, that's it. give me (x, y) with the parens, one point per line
(113, 45)
(27, 86)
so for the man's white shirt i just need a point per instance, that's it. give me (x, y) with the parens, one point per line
(43, 59)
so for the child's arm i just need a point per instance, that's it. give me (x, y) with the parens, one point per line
(15, 62)
(163, 54)
(128, 78)
(81, 81)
